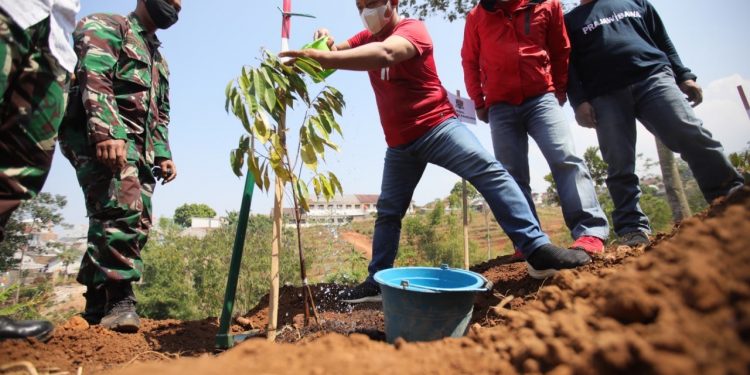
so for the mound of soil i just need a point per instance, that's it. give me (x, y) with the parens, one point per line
(75, 345)
(681, 306)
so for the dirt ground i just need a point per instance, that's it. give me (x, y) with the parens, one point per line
(681, 306)
(361, 243)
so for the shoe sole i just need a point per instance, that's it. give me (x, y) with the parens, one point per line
(44, 337)
(125, 328)
(635, 245)
(600, 251)
(378, 298)
(540, 274)
(123, 325)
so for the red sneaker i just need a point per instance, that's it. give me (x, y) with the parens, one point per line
(589, 244)
(517, 255)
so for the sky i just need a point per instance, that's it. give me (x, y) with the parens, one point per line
(214, 39)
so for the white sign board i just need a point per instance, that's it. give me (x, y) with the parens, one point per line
(464, 109)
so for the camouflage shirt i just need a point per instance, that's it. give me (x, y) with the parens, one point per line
(124, 83)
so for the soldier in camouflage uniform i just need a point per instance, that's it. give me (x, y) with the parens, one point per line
(35, 61)
(114, 133)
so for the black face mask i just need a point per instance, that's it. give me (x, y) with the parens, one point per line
(488, 5)
(162, 13)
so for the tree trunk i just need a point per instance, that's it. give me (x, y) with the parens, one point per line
(673, 183)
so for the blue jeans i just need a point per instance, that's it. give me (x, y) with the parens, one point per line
(543, 119)
(454, 147)
(661, 107)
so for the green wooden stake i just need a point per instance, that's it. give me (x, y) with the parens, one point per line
(223, 339)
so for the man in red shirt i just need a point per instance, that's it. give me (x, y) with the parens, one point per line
(421, 127)
(515, 58)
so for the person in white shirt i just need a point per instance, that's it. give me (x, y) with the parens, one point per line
(36, 59)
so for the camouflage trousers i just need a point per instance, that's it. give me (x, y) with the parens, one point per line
(33, 87)
(118, 205)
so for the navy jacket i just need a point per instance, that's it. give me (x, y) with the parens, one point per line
(616, 43)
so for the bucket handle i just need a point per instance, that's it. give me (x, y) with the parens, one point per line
(405, 285)
(486, 287)
(487, 283)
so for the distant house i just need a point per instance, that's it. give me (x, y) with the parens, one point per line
(339, 211)
(477, 204)
(654, 182)
(39, 235)
(200, 226)
(57, 267)
(538, 198)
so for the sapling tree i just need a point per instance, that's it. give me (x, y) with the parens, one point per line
(260, 98)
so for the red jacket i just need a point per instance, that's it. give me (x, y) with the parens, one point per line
(508, 59)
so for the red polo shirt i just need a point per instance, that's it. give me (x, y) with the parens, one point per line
(411, 99)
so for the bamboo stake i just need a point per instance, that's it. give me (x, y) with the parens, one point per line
(273, 296)
(466, 227)
(466, 215)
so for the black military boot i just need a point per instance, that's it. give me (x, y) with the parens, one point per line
(96, 304)
(25, 329)
(120, 315)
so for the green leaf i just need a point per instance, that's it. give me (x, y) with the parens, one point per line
(315, 140)
(335, 183)
(299, 86)
(336, 93)
(244, 81)
(310, 70)
(319, 125)
(256, 170)
(332, 145)
(309, 157)
(302, 195)
(327, 120)
(262, 128)
(257, 88)
(264, 72)
(276, 144)
(328, 191)
(269, 93)
(337, 106)
(280, 81)
(237, 160)
(228, 94)
(241, 114)
(316, 186)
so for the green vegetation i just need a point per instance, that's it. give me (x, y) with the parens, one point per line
(741, 161)
(351, 270)
(653, 203)
(31, 299)
(185, 277)
(435, 238)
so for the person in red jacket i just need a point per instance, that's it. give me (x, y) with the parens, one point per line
(515, 59)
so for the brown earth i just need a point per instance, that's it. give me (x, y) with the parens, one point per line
(361, 243)
(682, 306)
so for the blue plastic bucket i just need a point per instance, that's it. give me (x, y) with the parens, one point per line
(427, 303)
